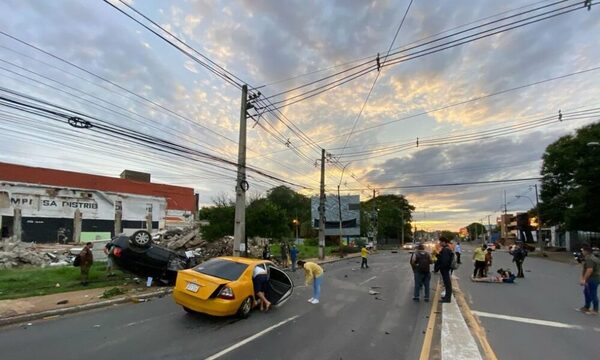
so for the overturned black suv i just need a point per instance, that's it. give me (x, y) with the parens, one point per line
(139, 255)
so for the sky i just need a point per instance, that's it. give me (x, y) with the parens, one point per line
(483, 110)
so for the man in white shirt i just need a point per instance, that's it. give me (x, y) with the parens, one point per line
(260, 280)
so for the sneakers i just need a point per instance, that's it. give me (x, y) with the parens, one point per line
(584, 310)
(592, 312)
(314, 301)
(311, 300)
(415, 299)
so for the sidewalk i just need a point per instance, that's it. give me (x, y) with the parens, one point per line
(50, 306)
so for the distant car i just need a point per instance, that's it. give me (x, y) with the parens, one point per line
(139, 255)
(408, 246)
(223, 286)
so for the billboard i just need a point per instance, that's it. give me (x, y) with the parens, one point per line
(350, 206)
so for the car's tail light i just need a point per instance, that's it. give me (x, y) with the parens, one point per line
(226, 293)
(117, 251)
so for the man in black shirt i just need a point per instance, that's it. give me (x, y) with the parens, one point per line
(444, 265)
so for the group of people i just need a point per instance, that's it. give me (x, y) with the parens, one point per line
(445, 262)
(287, 252)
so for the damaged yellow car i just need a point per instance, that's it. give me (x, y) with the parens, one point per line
(223, 286)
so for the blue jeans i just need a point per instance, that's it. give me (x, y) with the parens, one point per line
(293, 264)
(590, 291)
(317, 287)
(421, 279)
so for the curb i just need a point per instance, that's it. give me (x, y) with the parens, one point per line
(79, 308)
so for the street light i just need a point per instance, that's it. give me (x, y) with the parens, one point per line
(297, 225)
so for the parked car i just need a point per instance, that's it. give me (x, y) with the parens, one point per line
(139, 255)
(223, 286)
(409, 246)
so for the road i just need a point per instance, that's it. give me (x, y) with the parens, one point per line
(349, 323)
(535, 318)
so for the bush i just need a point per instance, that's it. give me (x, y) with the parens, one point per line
(311, 242)
(360, 243)
(348, 249)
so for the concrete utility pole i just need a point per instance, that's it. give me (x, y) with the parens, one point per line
(375, 225)
(322, 209)
(340, 213)
(77, 219)
(539, 221)
(239, 227)
(17, 225)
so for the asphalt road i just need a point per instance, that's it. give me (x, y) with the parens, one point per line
(349, 323)
(534, 318)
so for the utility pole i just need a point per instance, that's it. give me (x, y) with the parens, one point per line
(322, 209)
(239, 227)
(539, 222)
(340, 213)
(376, 222)
(402, 226)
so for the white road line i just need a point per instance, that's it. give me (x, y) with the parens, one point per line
(247, 340)
(369, 279)
(528, 320)
(457, 341)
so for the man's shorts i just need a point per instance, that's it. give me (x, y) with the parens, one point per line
(261, 283)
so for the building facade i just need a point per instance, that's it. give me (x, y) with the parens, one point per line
(47, 202)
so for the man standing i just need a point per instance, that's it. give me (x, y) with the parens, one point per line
(363, 254)
(421, 262)
(313, 274)
(479, 257)
(457, 251)
(86, 260)
(519, 255)
(108, 248)
(444, 265)
(294, 257)
(590, 278)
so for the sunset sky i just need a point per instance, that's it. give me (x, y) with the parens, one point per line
(483, 111)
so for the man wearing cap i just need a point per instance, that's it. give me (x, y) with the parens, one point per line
(444, 265)
(590, 278)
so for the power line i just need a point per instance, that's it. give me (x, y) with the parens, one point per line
(451, 184)
(411, 56)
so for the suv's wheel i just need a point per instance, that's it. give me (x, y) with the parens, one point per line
(245, 308)
(141, 238)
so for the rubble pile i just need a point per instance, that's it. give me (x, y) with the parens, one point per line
(16, 253)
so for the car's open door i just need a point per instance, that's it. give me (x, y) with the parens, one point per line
(281, 286)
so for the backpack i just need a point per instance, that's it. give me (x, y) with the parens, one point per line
(422, 262)
(77, 260)
(454, 263)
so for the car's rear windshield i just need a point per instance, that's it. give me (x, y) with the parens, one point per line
(221, 268)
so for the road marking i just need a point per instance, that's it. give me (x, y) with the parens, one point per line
(430, 325)
(528, 320)
(457, 341)
(369, 279)
(251, 338)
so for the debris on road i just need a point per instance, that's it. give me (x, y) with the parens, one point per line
(62, 302)
(373, 292)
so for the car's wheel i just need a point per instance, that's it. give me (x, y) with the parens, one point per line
(141, 238)
(245, 308)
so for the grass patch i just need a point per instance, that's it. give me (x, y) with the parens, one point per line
(305, 251)
(112, 292)
(25, 282)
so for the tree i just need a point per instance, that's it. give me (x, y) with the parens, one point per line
(475, 230)
(390, 211)
(570, 190)
(265, 219)
(221, 219)
(293, 204)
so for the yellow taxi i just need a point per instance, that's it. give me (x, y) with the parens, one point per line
(223, 286)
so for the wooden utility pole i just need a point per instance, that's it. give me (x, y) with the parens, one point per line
(239, 227)
(322, 209)
(402, 227)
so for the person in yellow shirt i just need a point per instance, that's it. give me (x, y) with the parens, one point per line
(479, 257)
(313, 274)
(363, 254)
